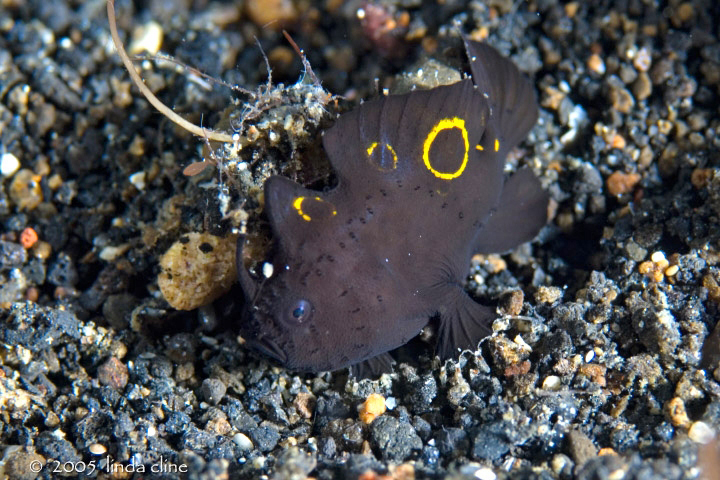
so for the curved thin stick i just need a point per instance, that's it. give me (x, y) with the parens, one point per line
(160, 106)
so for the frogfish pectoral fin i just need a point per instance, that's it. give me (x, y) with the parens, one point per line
(463, 323)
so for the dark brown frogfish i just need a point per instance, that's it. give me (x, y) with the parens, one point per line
(359, 270)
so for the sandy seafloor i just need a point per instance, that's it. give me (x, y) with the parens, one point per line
(604, 363)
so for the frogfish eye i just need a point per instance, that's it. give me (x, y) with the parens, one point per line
(300, 311)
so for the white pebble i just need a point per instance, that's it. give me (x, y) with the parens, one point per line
(138, 179)
(485, 473)
(97, 449)
(147, 38)
(577, 117)
(243, 442)
(259, 462)
(9, 164)
(268, 269)
(551, 382)
(520, 342)
(657, 257)
(701, 432)
(110, 252)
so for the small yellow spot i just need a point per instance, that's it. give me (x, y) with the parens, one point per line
(479, 147)
(445, 124)
(371, 150)
(497, 144)
(318, 199)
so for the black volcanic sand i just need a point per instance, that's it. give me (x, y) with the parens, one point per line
(605, 363)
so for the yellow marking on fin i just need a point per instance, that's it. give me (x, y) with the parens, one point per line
(445, 124)
(371, 149)
(297, 205)
(497, 144)
(298, 202)
(318, 199)
(479, 147)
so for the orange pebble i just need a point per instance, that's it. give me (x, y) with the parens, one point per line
(32, 294)
(373, 407)
(619, 183)
(28, 237)
(618, 141)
